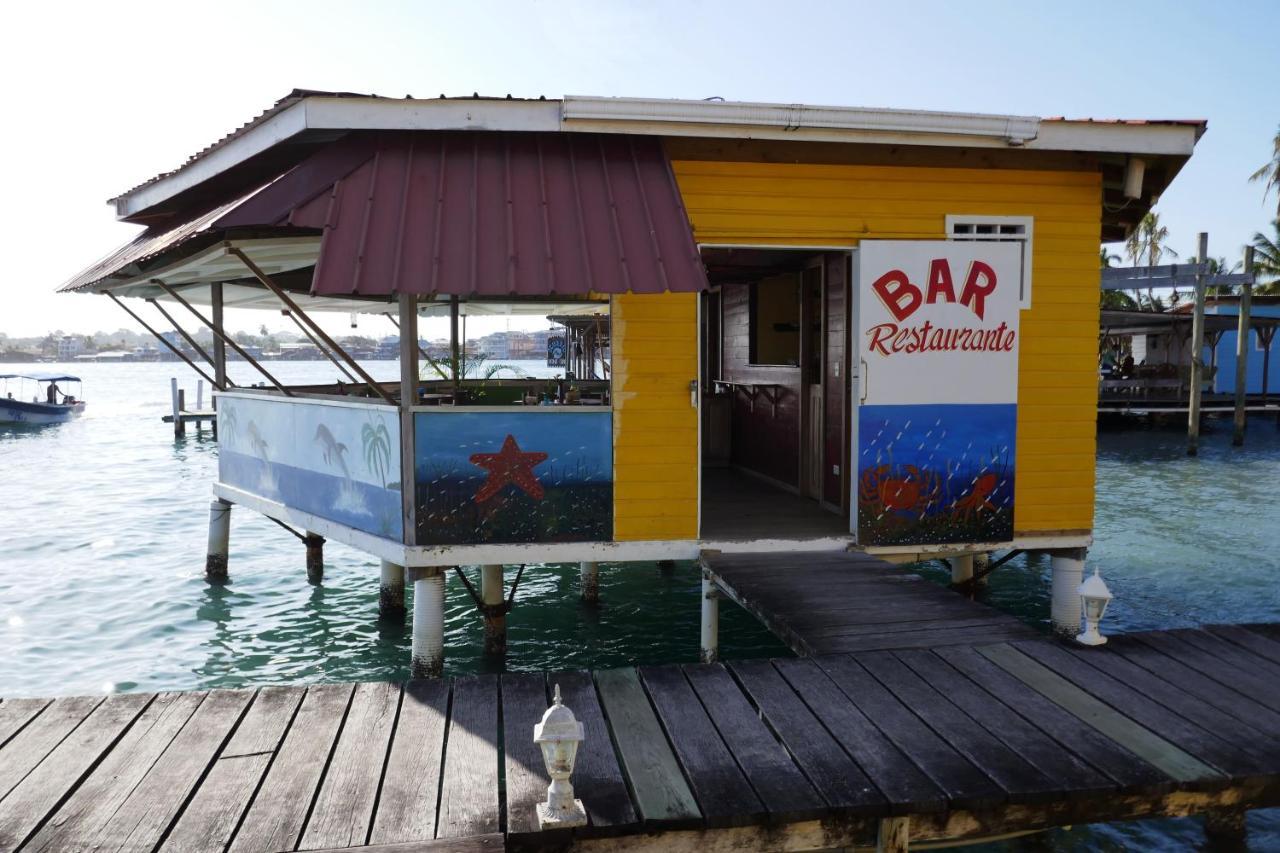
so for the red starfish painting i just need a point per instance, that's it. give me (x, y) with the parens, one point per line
(509, 465)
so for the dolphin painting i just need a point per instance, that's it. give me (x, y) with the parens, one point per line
(332, 449)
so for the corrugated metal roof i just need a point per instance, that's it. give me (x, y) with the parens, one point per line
(151, 243)
(488, 214)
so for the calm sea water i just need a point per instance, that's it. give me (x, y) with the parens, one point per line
(102, 535)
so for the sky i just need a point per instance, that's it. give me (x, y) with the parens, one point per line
(103, 96)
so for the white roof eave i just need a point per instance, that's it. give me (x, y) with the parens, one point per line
(667, 117)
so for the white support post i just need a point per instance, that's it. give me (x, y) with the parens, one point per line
(495, 618)
(215, 562)
(961, 569)
(315, 557)
(1067, 567)
(391, 593)
(590, 581)
(199, 396)
(427, 659)
(176, 405)
(709, 644)
(1197, 351)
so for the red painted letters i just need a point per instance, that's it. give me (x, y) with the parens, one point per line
(902, 298)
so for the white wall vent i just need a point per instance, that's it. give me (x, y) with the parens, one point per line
(1004, 229)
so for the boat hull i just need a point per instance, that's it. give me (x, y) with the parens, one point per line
(22, 412)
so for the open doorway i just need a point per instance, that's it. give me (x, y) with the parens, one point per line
(775, 393)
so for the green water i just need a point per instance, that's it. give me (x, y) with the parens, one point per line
(102, 535)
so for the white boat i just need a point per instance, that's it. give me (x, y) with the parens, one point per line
(44, 406)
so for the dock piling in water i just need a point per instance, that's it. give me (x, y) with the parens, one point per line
(495, 614)
(391, 593)
(315, 557)
(427, 657)
(590, 573)
(709, 644)
(961, 569)
(1067, 566)
(215, 564)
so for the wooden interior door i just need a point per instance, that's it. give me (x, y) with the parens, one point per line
(812, 360)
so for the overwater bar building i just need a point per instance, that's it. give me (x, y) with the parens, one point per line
(789, 327)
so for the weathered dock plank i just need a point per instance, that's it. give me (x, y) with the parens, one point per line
(84, 820)
(778, 782)
(662, 795)
(597, 771)
(343, 808)
(835, 775)
(524, 701)
(1069, 773)
(1067, 730)
(213, 814)
(469, 793)
(724, 795)
(278, 815)
(16, 713)
(1147, 745)
(411, 783)
(26, 806)
(29, 747)
(829, 602)
(965, 785)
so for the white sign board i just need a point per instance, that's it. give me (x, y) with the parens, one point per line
(937, 336)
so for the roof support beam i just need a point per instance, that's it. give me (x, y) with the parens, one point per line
(223, 336)
(186, 337)
(179, 353)
(293, 306)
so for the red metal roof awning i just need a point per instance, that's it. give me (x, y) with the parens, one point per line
(488, 214)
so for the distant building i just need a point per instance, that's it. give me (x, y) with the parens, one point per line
(68, 348)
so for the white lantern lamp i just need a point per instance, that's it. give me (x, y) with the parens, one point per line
(1094, 598)
(558, 735)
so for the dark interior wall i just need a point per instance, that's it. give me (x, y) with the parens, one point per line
(836, 376)
(764, 441)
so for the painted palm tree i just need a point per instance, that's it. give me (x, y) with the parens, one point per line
(1269, 174)
(377, 449)
(1146, 246)
(1266, 260)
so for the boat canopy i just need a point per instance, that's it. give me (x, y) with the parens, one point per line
(40, 376)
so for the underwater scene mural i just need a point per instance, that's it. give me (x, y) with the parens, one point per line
(338, 462)
(935, 474)
(510, 477)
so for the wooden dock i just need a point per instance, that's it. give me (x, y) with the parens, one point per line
(823, 602)
(796, 754)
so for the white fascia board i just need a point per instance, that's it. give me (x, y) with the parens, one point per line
(453, 114)
(321, 113)
(286, 124)
(1177, 140)
(794, 120)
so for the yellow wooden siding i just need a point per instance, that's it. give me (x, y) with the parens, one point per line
(655, 429)
(837, 205)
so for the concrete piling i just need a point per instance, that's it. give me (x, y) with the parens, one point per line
(709, 643)
(1067, 566)
(391, 593)
(495, 616)
(961, 569)
(427, 657)
(590, 581)
(315, 557)
(215, 563)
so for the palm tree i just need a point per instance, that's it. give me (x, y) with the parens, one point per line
(1266, 260)
(1269, 174)
(1148, 243)
(1114, 299)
